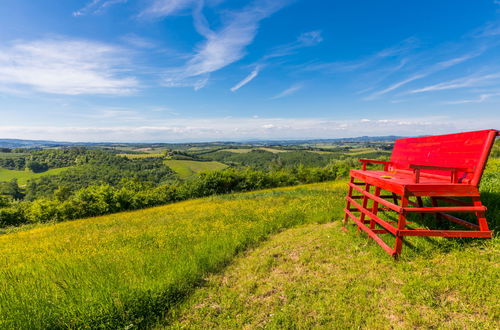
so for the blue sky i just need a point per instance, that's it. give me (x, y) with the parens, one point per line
(205, 70)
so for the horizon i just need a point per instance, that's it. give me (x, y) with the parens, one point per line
(194, 71)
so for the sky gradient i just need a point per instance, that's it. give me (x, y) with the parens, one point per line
(212, 70)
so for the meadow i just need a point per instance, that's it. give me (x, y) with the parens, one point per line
(187, 168)
(233, 260)
(22, 177)
(129, 268)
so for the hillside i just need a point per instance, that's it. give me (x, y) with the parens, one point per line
(316, 276)
(129, 269)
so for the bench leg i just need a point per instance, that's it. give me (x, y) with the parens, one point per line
(375, 208)
(395, 198)
(420, 204)
(349, 193)
(401, 225)
(481, 216)
(364, 205)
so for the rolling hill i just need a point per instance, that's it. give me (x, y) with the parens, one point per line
(131, 269)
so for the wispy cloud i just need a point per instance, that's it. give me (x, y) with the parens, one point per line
(289, 91)
(246, 80)
(442, 65)
(480, 99)
(306, 39)
(469, 81)
(223, 46)
(163, 8)
(63, 66)
(96, 7)
(400, 49)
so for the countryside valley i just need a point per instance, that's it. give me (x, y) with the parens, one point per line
(204, 259)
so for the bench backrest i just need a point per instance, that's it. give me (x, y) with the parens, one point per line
(465, 150)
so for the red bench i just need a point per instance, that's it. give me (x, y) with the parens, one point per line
(441, 167)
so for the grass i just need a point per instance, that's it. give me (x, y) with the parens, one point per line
(135, 156)
(23, 176)
(316, 276)
(187, 168)
(247, 150)
(199, 263)
(129, 268)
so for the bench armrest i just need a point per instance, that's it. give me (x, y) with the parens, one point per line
(373, 161)
(454, 170)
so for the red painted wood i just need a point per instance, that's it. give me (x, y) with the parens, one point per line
(441, 167)
(374, 217)
(445, 233)
(370, 233)
(465, 150)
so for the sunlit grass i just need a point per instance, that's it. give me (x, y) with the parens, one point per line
(136, 156)
(317, 276)
(23, 176)
(186, 168)
(129, 268)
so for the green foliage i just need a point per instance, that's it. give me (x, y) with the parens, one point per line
(100, 168)
(126, 270)
(129, 194)
(36, 167)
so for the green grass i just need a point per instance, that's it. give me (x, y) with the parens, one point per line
(175, 266)
(317, 276)
(23, 176)
(187, 168)
(130, 268)
(136, 156)
(247, 150)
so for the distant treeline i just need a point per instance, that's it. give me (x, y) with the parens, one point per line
(262, 159)
(131, 194)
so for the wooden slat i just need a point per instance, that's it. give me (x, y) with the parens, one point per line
(459, 221)
(445, 209)
(378, 199)
(370, 233)
(374, 217)
(445, 233)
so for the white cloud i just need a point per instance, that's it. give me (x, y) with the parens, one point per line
(223, 46)
(480, 99)
(219, 129)
(246, 80)
(96, 7)
(62, 66)
(289, 91)
(162, 8)
(470, 81)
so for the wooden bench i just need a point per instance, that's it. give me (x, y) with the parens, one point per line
(441, 168)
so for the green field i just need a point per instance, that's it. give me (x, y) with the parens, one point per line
(247, 150)
(136, 156)
(316, 276)
(23, 176)
(186, 168)
(248, 260)
(129, 268)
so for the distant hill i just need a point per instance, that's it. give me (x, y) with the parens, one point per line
(19, 143)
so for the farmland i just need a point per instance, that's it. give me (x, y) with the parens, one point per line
(22, 177)
(187, 168)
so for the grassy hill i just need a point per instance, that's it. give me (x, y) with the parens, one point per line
(129, 269)
(23, 176)
(186, 168)
(316, 276)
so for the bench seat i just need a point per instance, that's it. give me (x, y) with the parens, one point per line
(399, 182)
